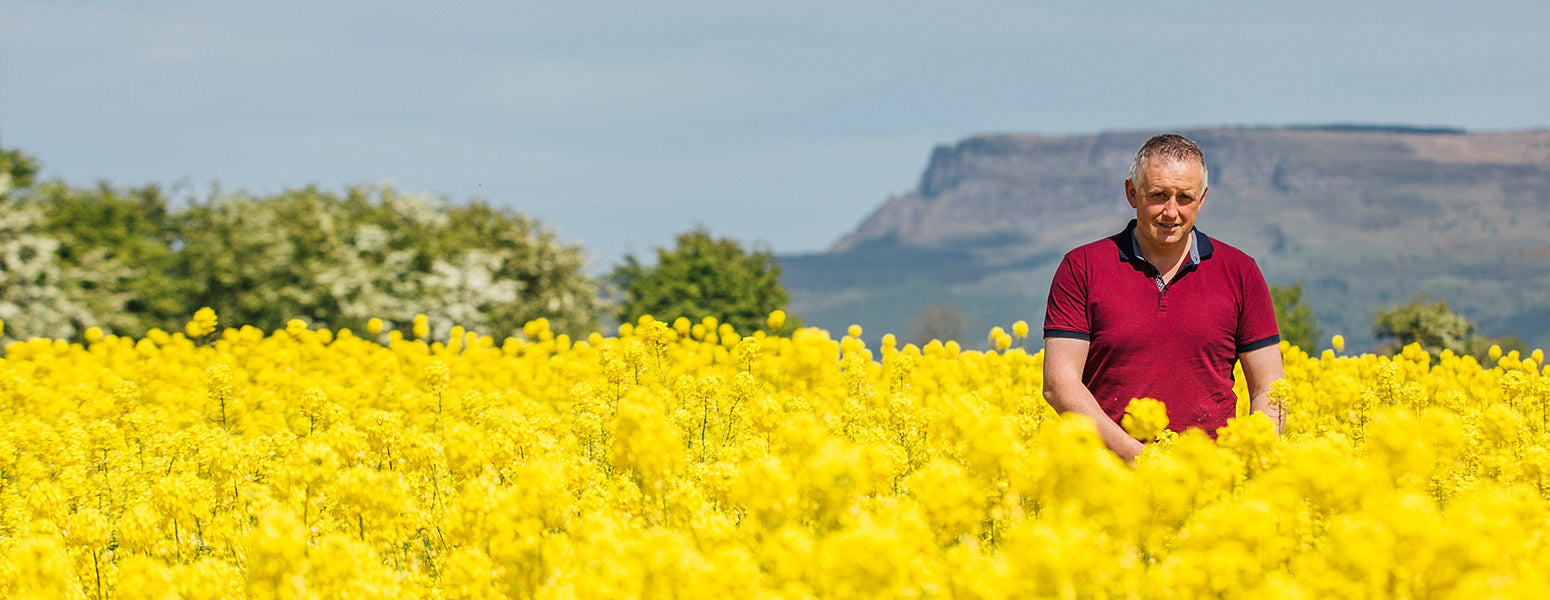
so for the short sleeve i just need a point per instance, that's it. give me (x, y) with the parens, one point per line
(1257, 317)
(1065, 313)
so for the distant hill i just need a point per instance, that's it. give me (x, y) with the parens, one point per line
(1366, 217)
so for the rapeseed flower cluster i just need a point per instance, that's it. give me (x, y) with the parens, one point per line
(689, 460)
(202, 324)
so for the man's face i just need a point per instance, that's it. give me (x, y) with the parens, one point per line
(1167, 198)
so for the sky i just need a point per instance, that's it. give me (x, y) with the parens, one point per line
(780, 124)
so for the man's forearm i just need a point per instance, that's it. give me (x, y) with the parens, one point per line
(1261, 369)
(1075, 398)
(1063, 389)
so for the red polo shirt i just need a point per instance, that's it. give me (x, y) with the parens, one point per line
(1176, 343)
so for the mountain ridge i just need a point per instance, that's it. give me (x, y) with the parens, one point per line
(1366, 217)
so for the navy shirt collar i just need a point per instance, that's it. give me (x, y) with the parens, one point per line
(1130, 249)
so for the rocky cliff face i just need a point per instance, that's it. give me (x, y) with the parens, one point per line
(1365, 218)
(1005, 185)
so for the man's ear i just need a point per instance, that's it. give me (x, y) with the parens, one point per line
(1130, 193)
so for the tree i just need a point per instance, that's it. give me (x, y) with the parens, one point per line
(1431, 325)
(702, 276)
(119, 242)
(301, 254)
(123, 259)
(342, 260)
(940, 322)
(36, 298)
(513, 250)
(1293, 317)
(17, 171)
(51, 286)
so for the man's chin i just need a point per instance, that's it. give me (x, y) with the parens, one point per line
(1162, 237)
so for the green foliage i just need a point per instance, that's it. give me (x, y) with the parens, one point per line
(702, 276)
(546, 276)
(39, 294)
(265, 261)
(120, 244)
(17, 171)
(376, 253)
(1431, 325)
(50, 285)
(1293, 317)
(124, 260)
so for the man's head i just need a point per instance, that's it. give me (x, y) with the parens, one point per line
(1167, 185)
(1169, 147)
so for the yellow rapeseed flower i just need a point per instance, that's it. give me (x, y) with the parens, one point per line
(1145, 419)
(203, 323)
(421, 327)
(714, 464)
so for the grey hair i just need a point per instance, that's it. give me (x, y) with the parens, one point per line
(1172, 147)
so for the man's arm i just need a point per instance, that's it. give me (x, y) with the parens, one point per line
(1064, 359)
(1261, 367)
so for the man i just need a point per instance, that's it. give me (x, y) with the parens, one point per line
(1159, 310)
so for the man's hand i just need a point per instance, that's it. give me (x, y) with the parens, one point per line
(1064, 359)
